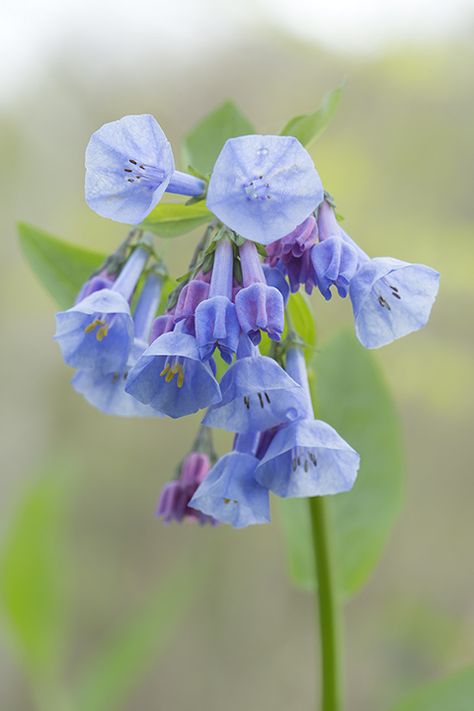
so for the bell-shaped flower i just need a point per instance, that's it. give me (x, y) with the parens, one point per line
(171, 377)
(215, 318)
(390, 299)
(263, 186)
(106, 391)
(307, 457)
(129, 166)
(97, 332)
(335, 262)
(173, 504)
(257, 394)
(275, 277)
(230, 492)
(259, 307)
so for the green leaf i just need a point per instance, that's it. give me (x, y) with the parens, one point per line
(61, 268)
(202, 146)
(31, 568)
(309, 127)
(456, 693)
(116, 669)
(175, 219)
(351, 395)
(302, 320)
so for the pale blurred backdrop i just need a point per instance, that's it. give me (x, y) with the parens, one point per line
(398, 158)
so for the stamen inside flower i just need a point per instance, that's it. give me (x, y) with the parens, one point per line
(102, 331)
(175, 367)
(302, 457)
(143, 173)
(261, 399)
(390, 291)
(257, 189)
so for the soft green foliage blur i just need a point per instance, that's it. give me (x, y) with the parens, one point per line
(397, 160)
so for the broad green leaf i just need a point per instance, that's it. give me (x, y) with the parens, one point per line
(203, 144)
(308, 127)
(174, 219)
(456, 693)
(351, 395)
(31, 567)
(116, 669)
(61, 268)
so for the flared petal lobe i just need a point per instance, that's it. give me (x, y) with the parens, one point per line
(96, 333)
(335, 262)
(257, 394)
(171, 378)
(129, 164)
(216, 325)
(230, 493)
(263, 186)
(390, 299)
(308, 458)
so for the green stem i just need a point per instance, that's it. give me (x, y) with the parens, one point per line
(326, 602)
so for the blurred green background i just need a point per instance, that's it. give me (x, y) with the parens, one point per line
(398, 159)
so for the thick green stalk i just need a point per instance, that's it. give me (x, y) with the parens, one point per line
(327, 607)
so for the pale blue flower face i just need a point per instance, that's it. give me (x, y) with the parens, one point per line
(171, 378)
(257, 395)
(390, 299)
(96, 333)
(262, 187)
(308, 458)
(230, 493)
(129, 164)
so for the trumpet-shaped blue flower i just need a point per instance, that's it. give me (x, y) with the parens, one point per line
(259, 307)
(129, 166)
(335, 262)
(171, 377)
(97, 332)
(106, 391)
(215, 318)
(230, 493)
(263, 186)
(257, 394)
(307, 457)
(390, 299)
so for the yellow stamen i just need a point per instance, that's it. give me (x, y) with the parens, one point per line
(165, 369)
(180, 376)
(102, 332)
(93, 325)
(170, 374)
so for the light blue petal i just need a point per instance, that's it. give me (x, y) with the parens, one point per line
(257, 394)
(108, 156)
(390, 299)
(230, 493)
(80, 348)
(216, 323)
(199, 388)
(263, 186)
(308, 458)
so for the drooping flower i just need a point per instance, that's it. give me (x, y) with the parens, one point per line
(257, 394)
(390, 299)
(215, 318)
(102, 280)
(171, 377)
(292, 254)
(97, 332)
(106, 391)
(307, 457)
(263, 186)
(230, 492)
(259, 306)
(129, 166)
(335, 260)
(173, 504)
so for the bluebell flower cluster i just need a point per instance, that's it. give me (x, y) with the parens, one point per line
(273, 229)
